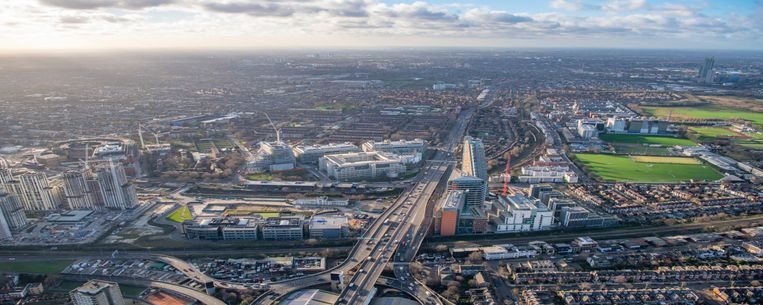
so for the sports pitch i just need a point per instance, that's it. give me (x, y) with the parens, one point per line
(646, 169)
(705, 112)
(643, 139)
(714, 132)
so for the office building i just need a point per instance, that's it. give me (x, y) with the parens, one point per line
(586, 131)
(362, 165)
(116, 191)
(97, 292)
(450, 208)
(537, 190)
(283, 228)
(77, 190)
(328, 226)
(227, 228)
(706, 74)
(519, 213)
(580, 217)
(311, 153)
(272, 156)
(32, 189)
(475, 189)
(402, 147)
(556, 205)
(473, 159)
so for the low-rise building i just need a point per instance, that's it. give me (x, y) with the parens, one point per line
(519, 213)
(283, 228)
(328, 226)
(507, 252)
(363, 165)
(322, 201)
(227, 228)
(311, 153)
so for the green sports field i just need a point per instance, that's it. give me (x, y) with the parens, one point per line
(180, 214)
(714, 132)
(753, 141)
(643, 139)
(705, 112)
(623, 168)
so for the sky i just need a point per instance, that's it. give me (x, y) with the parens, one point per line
(48, 25)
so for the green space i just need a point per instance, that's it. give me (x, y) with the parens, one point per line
(752, 145)
(206, 145)
(644, 139)
(260, 177)
(52, 266)
(754, 141)
(180, 214)
(705, 112)
(713, 132)
(621, 168)
(264, 215)
(636, 149)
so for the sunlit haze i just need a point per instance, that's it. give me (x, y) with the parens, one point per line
(236, 24)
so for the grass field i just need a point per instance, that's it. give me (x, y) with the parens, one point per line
(622, 168)
(669, 160)
(636, 149)
(642, 139)
(714, 132)
(264, 215)
(705, 112)
(53, 266)
(180, 214)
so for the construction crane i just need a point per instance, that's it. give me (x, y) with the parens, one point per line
(140, 135)
(278, 131)
(506, 177)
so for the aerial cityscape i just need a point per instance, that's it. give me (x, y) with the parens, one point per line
(569, 152)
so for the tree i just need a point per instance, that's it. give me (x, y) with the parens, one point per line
(475, 257)
(230, 298)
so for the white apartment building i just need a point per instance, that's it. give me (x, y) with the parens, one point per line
(519, 214)
(31, 188)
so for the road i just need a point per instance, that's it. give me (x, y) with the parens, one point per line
(407, 226)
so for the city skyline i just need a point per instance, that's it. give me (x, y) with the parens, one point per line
(83, 25)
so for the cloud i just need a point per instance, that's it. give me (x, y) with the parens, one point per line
(83, 19)
(260, 8)
(572, 5)
(97, 4)
(485, 15)
(419, 11)
(623, 5)
(295, 21)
